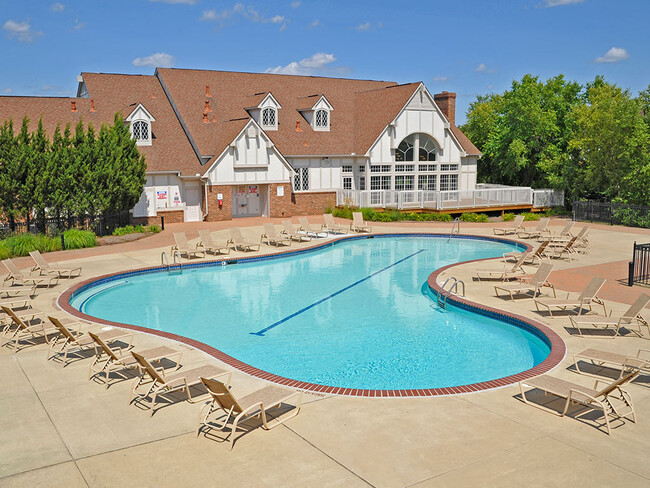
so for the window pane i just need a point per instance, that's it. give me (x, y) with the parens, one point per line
(347, 183)
(404, 151)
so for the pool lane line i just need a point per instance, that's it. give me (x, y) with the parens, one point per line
(83, 304)
(289, 317)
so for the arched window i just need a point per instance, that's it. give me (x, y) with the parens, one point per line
(404, 151)
(321, 118)
(141, 130)
(428, 149)
(268, 117)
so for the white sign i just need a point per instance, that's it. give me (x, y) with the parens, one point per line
(219, 196)
(280, 191)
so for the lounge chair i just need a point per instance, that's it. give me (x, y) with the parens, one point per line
(110, 360)
(585, 299)
(505, 273)
(358, 224)
(272, 237)
(612, 399)
(185, 248)
(21, 306)
(211, 246)
(581, 243)
(613, 360)
(534, 283)
(161, 383)
(558, 250)
(16, 276)
(538, 232)
(629, 318)
(310, 230)
(513, 228)
(44, 268)
(564, 233)
(330, 226)
(15, 291)
(238, 241)
(77, 341)
(535, 256)
(28, 329)
(291, 232)
(253, 404)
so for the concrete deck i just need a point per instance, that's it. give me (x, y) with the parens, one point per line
(59, 429)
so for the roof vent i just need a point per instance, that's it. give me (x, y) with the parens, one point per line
(73, 107)
(205, 119)
(298, 129)
(92, 105)
(153, 95)
(207, 91)
(214, 118)
(207, 107)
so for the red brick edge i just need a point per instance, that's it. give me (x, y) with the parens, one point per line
(558, 348)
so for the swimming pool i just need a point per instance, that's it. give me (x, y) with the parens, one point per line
(356, 314)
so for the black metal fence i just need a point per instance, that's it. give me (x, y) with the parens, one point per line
(612, 213)
(640, 265)
(101, 225)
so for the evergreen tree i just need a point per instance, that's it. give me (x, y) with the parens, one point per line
(9, 172)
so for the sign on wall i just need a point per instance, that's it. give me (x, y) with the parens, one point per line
(161, 194)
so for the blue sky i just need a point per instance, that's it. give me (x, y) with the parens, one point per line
(467, 46)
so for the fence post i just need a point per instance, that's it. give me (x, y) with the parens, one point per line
(62, 242)
(162, 222)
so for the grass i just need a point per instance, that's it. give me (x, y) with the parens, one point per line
(23, 244)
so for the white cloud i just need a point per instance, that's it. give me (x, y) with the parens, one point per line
(364, 27)
(78, 25)
(315, 23)
(557, 3)
(21, 31)
(483, 68)
(441, 79)
(57, 7)
(188, 2)
(614, 55)
(161, 60)
(305, 66)
(295, 4)
(249, 13)
(7, 91)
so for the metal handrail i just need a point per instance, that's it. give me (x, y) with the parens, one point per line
(163, 259)
(444, 294)
(456, 221)
(180, 261)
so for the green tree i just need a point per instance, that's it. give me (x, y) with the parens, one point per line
(9, 172)
(36, 185)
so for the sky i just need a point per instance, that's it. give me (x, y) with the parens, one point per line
(470, 47)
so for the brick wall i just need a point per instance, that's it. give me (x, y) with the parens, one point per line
(171, 217)
(216, 213)
(292, 204)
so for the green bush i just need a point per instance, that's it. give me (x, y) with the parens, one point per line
(507, 217)
(343, 213)
(530, 216)
(122, 231)
(153, 228)
(5, 250)
(556, 211)
(79, 239)
(371, 215)
(473, 217)
(23, 244)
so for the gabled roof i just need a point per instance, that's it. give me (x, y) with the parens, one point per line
(464, 141)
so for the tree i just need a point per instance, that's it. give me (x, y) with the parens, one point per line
(9, 172)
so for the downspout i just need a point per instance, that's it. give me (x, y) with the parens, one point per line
(205, 192)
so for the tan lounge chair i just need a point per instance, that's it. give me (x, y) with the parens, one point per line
(161, 383)
(632, 317)
(22, 307)
(505, 273)
(185, 248)
(358, 224)
(581, 243)
(273, 238)
(211, 246)
(16, 276)
(538, 232)
(78, 341)
(310, 230)
(585, 299)
(238, 241)
(533, 257)
(27, 329)
(253, 404)
(559, 250)
(15, 291)
(516, 226)
(612, 399)
(291, 232)
(330, 226)
(565, 233)
(534, 283)
(44, 268)
(111, 360)
(612, 360)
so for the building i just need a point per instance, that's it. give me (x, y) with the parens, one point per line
(221, 145)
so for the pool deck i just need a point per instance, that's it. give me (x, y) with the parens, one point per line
(59, 429)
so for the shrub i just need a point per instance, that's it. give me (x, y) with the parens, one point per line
(507, 217)
(530, 216)
(556, 211)
(140, 229)
(122, 231)
(473, 217)
(23, 244)
(5, 251)
(78, 239)
(329, 209)
(344, 213)
(153, 228)
(371, 215)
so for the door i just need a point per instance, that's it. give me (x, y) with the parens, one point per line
(246, 201)
(192, 204)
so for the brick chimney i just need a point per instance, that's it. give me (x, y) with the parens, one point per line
(447, 103)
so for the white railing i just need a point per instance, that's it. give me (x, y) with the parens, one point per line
(484, 196)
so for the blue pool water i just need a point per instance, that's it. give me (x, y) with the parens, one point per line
(357, 314)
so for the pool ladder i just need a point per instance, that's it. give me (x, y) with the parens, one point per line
(444, 293)
(164, 261)
(453, 227)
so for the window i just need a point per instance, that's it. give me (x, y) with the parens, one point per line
(421, 144)
(322, 119)
(362, 183)
(384, 168)
(362, 169)
(141, 131)
(381, 182)
(404, 182)
(427, 182)
(347, 183)
(269, 117)
(301, 179)
(346, 169)
(448, 167)
(426, 167)
(448, 182)
(404, 151)
(404, 168)
(428, 149)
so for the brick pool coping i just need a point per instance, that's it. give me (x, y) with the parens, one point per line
(556, 355)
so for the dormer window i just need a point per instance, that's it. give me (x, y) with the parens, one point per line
(322, 119)
(317, 113)
(141, 131)
(140, 125)
(269, 118)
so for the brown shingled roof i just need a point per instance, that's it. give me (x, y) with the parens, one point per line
(467, 145)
